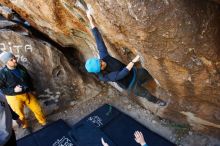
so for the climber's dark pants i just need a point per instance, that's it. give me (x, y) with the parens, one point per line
(141, 77)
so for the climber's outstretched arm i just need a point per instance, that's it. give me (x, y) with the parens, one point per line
(98, 38)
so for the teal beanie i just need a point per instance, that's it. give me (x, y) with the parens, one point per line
(93, 65)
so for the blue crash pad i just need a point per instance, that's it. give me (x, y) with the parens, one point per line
(54, 134)
(115, 127)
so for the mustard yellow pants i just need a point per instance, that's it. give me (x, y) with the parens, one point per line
(17, 103)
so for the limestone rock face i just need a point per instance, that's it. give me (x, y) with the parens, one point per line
(178, 42)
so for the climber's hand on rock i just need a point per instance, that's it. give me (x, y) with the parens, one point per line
(136, 59)
(89, 15)
(90, 19)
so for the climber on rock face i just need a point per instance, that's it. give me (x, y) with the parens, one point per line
(16, 84)
(108, 68)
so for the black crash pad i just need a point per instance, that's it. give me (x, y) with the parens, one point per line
(55, 134)
(115, 127)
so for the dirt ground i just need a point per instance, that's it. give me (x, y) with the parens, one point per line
(182, 135)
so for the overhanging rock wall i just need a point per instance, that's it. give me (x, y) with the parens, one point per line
(178, 42)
